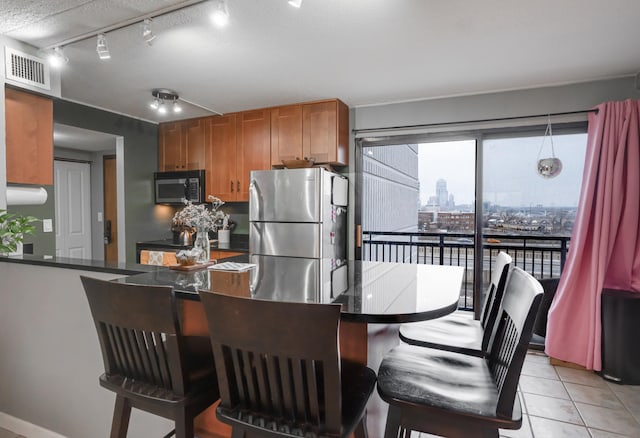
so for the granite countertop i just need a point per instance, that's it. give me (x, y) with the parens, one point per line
(81, 264)
(378, 292)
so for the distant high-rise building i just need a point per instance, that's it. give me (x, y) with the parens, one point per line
(442, 193)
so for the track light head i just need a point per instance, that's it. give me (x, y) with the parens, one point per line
(57, 58)
(295, 3)
(220, 14)
(101, 47)
(147, 33)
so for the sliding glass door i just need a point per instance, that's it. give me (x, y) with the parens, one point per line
(418, 205)
(440, 201)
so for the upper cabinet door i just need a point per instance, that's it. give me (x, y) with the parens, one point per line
(325, 132)
(253, 148)
(286, 134)
(170, 150)
(29, 138)
(194, 140)
(221, 157)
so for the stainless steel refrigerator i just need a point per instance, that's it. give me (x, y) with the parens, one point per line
(298, 233)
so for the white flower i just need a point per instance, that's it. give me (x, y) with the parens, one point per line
(195, 216)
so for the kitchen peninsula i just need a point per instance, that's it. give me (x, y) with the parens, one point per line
(50, 367)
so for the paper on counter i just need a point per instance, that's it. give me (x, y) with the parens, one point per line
(232, 266)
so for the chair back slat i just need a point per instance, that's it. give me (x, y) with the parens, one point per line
(495, 295)
(515, 326)
(155, 376)
(137, 328)
(272, 368)
(314, 380)
(276, 385)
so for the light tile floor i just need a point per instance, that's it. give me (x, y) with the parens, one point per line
(566, 403)
(560, 402)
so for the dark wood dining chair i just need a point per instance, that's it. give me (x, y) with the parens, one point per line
(459, 331)
(457, 395)
(280, 372)
(146, 359)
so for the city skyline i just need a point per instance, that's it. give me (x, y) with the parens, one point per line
(504, 161)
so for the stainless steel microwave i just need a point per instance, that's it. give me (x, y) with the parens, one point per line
(175, 187)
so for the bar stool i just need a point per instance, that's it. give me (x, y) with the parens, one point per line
(459, 332)
(280, 372)
(458, 395)
(146, 361)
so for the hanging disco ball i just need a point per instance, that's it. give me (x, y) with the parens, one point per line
(549, 167)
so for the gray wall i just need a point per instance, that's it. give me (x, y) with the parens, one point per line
(51, 357)
(575, 97)
(140, 161)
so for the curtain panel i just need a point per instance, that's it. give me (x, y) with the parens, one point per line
(605, 246)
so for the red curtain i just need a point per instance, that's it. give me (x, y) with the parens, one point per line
(605, 244)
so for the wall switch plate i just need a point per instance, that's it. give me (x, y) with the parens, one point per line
(47, 225)
(99, 216)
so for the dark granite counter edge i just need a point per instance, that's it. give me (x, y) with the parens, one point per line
(83, 265)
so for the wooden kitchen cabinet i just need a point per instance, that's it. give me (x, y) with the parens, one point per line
(325, 132)
(286, 134)
(318, 130)
(221, 157)
(253, 148)
(182, 145)
(237, 144)
(29, 138)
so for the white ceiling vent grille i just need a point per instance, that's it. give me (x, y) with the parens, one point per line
(26, 69)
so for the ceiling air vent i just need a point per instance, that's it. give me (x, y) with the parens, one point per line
(26, 69)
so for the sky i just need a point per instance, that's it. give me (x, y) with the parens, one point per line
(510, 175)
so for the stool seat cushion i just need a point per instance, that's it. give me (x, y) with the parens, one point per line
(440, 380)
(457, 332)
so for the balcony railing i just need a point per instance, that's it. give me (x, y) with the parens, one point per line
(542, 256)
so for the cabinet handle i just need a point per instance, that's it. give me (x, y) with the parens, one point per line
(238, 186)
(231, 186)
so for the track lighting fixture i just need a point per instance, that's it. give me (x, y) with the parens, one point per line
(295, 3)
(101, 47)
(161, 96)
(57, 58)
(147, 33)
(220, 14)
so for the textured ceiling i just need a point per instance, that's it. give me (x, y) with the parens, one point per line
(362, 51)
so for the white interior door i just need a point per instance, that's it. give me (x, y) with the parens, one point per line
(73, 209)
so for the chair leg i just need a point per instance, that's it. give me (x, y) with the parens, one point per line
(184, 425)
(392, 428)
(361, 428)
(121, 415)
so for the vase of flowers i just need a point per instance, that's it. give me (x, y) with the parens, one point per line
(200, 219)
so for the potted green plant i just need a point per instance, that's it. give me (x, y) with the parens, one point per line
(13, 228)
